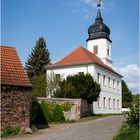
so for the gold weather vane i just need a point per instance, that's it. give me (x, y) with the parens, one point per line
(98, 3)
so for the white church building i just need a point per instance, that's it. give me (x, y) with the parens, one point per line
(95, 60)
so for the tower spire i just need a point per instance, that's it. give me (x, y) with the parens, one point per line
(99, 17)
(99, 3)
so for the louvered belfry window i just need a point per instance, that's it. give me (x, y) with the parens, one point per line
(95, 48)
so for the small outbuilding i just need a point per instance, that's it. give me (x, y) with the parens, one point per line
(15, 91)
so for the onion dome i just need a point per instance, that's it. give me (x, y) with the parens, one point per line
(98, 29)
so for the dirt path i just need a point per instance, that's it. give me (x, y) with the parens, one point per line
(100, 129)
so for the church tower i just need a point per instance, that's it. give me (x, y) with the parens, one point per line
(98, 41)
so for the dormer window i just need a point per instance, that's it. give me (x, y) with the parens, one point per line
(95, 49)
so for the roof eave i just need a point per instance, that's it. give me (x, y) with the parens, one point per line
(67, 65)
(16, 84)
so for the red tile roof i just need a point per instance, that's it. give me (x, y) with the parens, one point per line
(12, 71)
(81, 56)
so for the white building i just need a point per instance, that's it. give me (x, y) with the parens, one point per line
(96, 60)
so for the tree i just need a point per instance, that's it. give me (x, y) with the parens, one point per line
(39, 85)
(132, 117)
(126, 95)
(79, 86)
(38, 58)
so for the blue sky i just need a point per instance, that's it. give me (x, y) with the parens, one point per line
(64, 24)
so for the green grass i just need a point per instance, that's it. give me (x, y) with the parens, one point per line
(10, 132)
(128, 133)
(85, 119)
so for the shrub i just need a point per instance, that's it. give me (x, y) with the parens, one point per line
(10, 131)
(58, 115)
(126, 104)
(47, 109)
(79, 86)
(132, 117)
(66, 106)
(54, 112)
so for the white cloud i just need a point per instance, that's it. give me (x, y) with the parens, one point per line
(131, 76)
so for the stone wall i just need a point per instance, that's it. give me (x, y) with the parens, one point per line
(80, 107)
(15, 108)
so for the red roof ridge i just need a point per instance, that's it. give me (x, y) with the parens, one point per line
(81, 56)
(4, 46)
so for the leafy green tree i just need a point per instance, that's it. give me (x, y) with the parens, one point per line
(38, 58)
(39, 85)
(79, 86)
(126, 95)
(132, 117)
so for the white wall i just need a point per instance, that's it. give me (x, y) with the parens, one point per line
(103, 44)
(65, 71)
(106, 91)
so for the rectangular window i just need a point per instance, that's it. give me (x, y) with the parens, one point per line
(99, 78)
(104, 80)
(104, 101)
(114, 83)
(80, 72)
(117, 103)
(108, 53)
(109, 82)
(95, 48)
(109, 102)
(98, 102)
(118, 84)
(113, 102)
(57, 77)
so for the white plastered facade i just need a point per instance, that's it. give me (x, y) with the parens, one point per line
(109, 92)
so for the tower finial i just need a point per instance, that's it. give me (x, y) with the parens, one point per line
(99, 3)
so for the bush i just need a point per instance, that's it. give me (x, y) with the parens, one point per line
(126, 104)
(132, 117)
(66, 106)
(10, 131)
(58, 115)
(54, 112)
(39, 85)
(47, 109)
(79, 86)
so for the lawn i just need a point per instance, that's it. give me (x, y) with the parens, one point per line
(128, 133)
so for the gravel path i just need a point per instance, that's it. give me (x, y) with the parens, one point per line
(100, 129)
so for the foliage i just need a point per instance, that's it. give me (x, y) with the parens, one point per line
(47, 109)
(38, 58)
(128, 133)
(54, 112)
(79, 86)
(126, 104)
(66, 107)
(126, 95)
(58, 115)
(132, 117)
(39, 85)
(10, 131)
